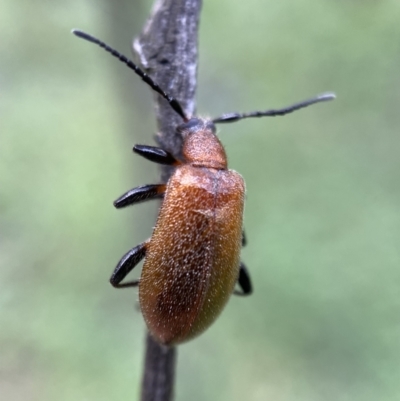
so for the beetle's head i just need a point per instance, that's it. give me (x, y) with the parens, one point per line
(195, 125)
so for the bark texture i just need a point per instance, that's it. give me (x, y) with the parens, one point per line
(167, 50)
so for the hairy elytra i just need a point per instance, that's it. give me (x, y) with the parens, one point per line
(192, 260)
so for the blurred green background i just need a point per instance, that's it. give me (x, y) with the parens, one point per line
(322, 213)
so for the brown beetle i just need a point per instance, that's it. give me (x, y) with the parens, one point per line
(192, 260)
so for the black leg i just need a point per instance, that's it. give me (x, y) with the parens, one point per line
(140, 194)
(126, 264)
(156, 155)
(244, 281)
(244, 239)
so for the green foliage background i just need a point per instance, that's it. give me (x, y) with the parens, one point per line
(322, 213)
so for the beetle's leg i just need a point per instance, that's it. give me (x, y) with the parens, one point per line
(244, 239)
(155, 154)
(140, 194)
(244, 281)
(126, 264)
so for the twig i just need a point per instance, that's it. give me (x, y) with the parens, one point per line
(168, 52)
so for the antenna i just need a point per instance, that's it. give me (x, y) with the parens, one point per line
(171, 100)
(233, 117)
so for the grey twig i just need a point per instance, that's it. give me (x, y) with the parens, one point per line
(167, 49)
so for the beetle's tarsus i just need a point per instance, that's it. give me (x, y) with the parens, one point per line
(140, 194)
(244, 281)
(126, 264)
(244, 239)
(155, 154)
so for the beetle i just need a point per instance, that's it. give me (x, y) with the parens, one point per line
(192, 260)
